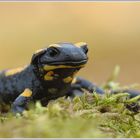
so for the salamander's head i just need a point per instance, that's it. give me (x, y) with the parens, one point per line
(62, 58)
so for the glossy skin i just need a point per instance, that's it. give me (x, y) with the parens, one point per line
(51, 74)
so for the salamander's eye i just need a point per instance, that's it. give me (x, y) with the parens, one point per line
(53, 52)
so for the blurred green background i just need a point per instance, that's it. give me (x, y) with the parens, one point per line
(111, 29)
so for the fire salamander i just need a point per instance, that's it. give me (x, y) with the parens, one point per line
(51, 74)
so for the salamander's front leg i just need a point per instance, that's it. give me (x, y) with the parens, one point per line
(20, 103)
(80, 83)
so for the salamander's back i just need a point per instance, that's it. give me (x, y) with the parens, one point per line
(12, 84)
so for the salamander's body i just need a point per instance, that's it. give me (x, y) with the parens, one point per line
(51, 74)
(11, 86)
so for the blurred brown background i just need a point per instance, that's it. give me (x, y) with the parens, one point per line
(112, 30)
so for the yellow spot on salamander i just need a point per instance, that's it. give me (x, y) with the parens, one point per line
(39, 50)
(49, 76)
(13, 71)
(68, 79)
(49, 67)
(27, 93)
(74, 80)
(54, 45)
(80, 44)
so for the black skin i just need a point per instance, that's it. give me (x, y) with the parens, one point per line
(51, 74)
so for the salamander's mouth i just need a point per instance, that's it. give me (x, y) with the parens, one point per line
(65, 65)
(69, 63)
